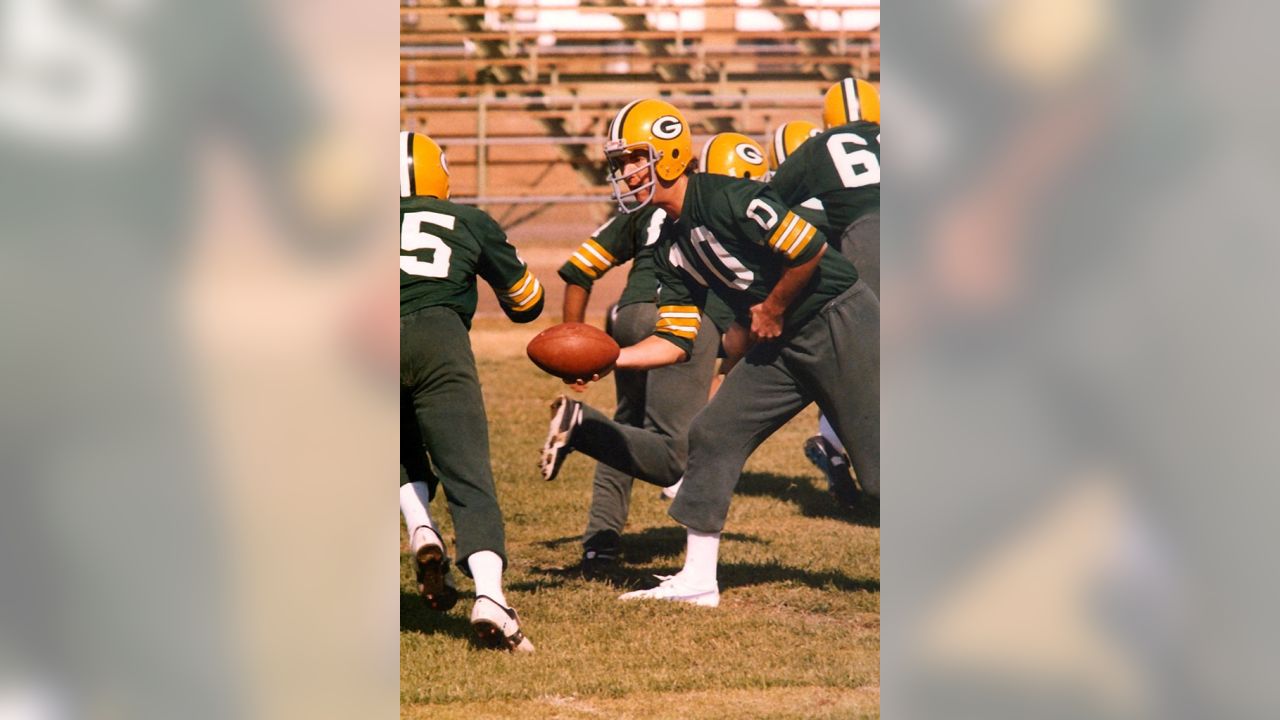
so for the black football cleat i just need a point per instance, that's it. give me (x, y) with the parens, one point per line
(566, 415)
(834, 466)
(431, 567)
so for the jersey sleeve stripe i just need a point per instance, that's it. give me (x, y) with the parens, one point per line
(533, 298)
(516, 290)
(682, 332)
(595, 249)
(584, 265)
(588, 255)
(784, 228)
(679, 323)
(801, 243)
(692, 315)
(525, 293)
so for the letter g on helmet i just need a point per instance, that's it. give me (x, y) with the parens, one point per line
(660, 125)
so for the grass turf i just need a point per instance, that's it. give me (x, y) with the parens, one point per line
(796, 634)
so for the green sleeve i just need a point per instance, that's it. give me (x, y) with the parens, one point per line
(612, 244)
(680, 300)
(759, 215)
(519, 292)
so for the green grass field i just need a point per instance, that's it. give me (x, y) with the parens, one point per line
(796, 634)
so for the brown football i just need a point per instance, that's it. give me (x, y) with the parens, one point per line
(573, 350)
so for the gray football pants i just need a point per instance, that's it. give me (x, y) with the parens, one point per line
(659, 404)
(860, 244)
(438, 373)
(833, 360)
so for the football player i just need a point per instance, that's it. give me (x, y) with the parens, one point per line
(841, 168)
(816, 330)
(665, 399)
(443, 247)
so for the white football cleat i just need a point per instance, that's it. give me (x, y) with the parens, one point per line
(498, 627)
(673, 589)
(670, 491)
(431, 566)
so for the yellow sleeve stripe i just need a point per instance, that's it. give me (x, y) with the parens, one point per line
(598, 249)
(785, 228)
(584, 266)
(533, 299)
(801, 242)
(591, 256)
(685, 333)
(681, 323)
(525, 292)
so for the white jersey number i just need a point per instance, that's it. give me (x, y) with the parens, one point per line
(764, 215)
(413, 238)
(857, 167)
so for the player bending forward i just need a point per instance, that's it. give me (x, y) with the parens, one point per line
(816, 329)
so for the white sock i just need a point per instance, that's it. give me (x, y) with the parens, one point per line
(828, 432)
(486, 570)
(700, 559)
(413, 504)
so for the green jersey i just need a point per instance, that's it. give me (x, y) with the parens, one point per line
(840, 167)
(633, 237)
(443, 247)
(733, 240)
(623, 238)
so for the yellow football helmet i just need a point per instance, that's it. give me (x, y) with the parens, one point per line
(657, 129)
(735, 155)
(423, 169)
(851, 100)
(787, 137)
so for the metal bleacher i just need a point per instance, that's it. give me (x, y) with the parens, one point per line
(519, 92)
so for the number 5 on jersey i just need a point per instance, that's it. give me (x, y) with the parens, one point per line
(413, 239)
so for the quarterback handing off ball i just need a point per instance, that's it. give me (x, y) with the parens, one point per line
(573, 351)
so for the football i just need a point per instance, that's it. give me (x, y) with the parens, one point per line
(571, 351)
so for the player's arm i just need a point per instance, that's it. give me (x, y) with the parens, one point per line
(680, 304)
(574, 308)
(800, 246)
(519, 291)
(766, 318)
(607, 248)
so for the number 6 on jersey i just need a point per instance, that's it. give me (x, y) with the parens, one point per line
(847, 160)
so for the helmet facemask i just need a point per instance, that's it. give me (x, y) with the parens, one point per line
(618, 154)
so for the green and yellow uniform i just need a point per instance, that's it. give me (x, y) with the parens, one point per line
(733, 240)
(444, 247)
(841, 168)
(663, 401)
